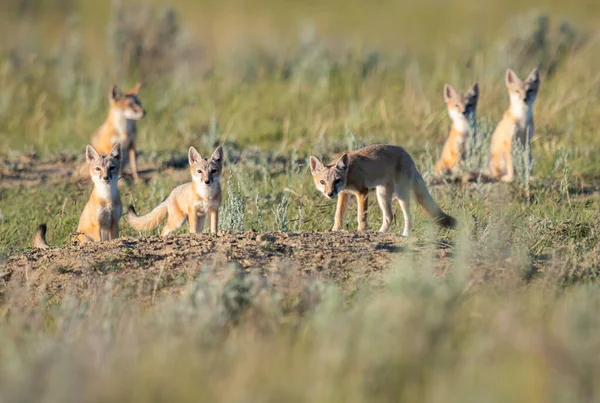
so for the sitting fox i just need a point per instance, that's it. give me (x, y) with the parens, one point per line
(516, 123)
(462, 109)
(388, 169)
(120, 126)
(193, 201)
(99, 220)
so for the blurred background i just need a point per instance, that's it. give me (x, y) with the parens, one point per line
(268, 72)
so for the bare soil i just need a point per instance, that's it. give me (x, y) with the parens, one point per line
(144, 267)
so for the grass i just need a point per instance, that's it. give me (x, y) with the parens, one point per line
(513, 319)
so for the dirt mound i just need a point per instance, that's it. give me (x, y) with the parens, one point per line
(143, 266)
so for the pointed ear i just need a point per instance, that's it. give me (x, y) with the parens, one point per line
(217, 156)
(116, 151)
(342, 163)
(115, 93)
(193, 156)
(315, 164)
(474, 92)
(534, 76)
(511, 77)
(449, 93)
(91, 154)
(135, 89)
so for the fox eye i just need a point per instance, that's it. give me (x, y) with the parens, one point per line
(199, 171)
(322, 182)
(112, 168)
(98, 169)
(337, 181)
(213, 171)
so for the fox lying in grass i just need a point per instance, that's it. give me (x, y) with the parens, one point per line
(516, 123)
(193, 201)
(462, 109)
(99, 220)
(388, 169)
(120, 126)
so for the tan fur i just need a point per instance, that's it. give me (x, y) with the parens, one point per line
(389, 170)
(516, 122)
(120, 126)
(99, 220)
(193, 201)
(462, 110)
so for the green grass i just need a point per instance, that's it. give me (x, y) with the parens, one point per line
(513, 319)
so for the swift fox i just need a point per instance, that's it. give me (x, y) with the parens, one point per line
(120, 126)
(99, 220)
(193, 200)
(516, 123)
(462, 109)
(388, 169)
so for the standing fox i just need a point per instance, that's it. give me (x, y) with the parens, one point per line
(388, 169)
(192, 201)
(462, 109)
(517, 122)
(99, 220)
(120, 126)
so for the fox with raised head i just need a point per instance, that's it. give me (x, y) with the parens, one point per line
(517, 122)
(193, 201)
(388, 169)
(99, 220)
(120, 126)
(461, 109)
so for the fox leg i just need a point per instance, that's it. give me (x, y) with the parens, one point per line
(403, 190)
(214, 221)
(174, 222)
(362, 199)
(510, 169)
(384, 198)
(114, 229)
(193, 221)
(133, 163)
(340, 210)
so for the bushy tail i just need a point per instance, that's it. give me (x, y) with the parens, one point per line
(39, 238)
(149, 221)
(426, 201)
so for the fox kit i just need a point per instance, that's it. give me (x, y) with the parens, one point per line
(194, 200)
(120, 126)
(461, 109)
(388, 169)
(516, 123)
(99, 220)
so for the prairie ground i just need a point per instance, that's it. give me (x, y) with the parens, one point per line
(276, 307)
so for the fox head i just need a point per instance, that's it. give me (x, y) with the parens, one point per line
(104, 169)
(522, 93)
(461, 107)
(330, 179)
(206, 172)
(126, 105)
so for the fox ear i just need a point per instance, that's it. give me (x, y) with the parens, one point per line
(193, 156)
(115, 93)
(534, 76)
(217, 156)
(511, 77)
(474, 91)
(116, 151)
(315, 164)
(342, 163)
(135, 89)
(91, 154)
(449, 92)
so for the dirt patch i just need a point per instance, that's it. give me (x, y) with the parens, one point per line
(145, 266)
